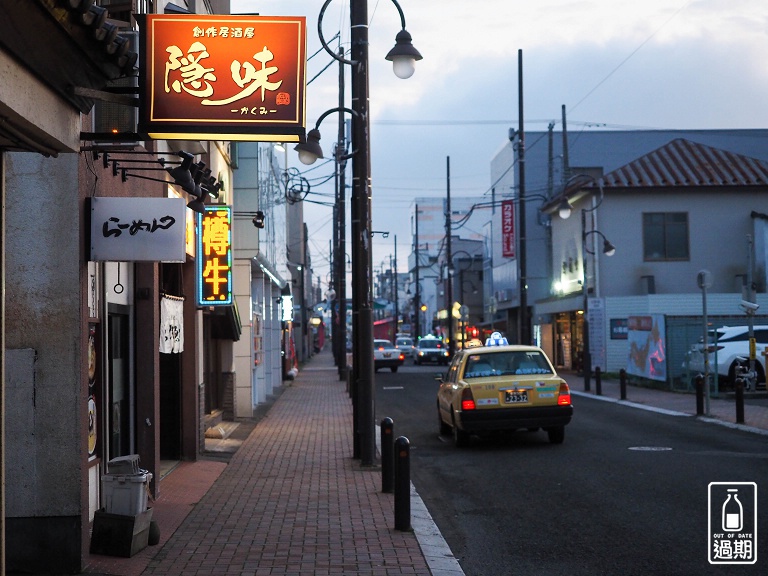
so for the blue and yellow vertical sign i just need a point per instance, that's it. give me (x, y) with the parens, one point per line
(214, 256)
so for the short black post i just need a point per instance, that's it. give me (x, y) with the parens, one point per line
(402, 484)
(739, 400)
(387, 455)
(623, 383)
(598, 381)
(699, 381)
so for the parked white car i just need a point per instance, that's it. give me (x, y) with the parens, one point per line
(726, 346)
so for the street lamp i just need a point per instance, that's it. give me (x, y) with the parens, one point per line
(608, 249)
(310, 150)
(362, 302)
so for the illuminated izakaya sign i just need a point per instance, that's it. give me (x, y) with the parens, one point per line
(214, 77)
(214, 256)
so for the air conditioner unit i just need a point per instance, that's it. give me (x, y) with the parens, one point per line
(114, 118)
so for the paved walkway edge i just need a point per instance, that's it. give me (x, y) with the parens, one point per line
(708, 420)
(436, 551)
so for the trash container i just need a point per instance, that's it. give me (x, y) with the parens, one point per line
(126, 486)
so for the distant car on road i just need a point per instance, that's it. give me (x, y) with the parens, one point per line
(385, 355)
(430, 349)
(731, 343)
(405, 343)
(501, 388)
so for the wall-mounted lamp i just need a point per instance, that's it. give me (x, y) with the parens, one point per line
(565, 208)
(258, 219)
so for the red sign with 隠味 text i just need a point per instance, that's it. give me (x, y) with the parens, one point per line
(217, 77)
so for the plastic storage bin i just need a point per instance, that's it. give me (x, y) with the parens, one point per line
(126, 494)
(124, 465)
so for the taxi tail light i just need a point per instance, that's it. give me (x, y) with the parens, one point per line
(402, 356)
(467, 400)
(564, 398)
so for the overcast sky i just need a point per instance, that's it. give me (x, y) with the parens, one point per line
(614, 64)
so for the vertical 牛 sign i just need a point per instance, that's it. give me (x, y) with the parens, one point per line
(508, 229)
(214, 256)
(223, 77)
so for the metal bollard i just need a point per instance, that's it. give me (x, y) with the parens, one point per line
(699, 381)
(402, 484)
(623, 383)
(739, 400)
(387, 455)
(598, 381)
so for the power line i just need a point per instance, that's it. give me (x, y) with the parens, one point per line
(635, 51)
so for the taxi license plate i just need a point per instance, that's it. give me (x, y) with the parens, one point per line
(512, 397)
(387, 354)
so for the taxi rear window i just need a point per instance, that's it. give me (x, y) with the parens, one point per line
(506, 364)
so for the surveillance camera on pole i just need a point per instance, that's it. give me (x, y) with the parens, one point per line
(748, 307)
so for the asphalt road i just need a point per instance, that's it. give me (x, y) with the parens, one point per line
(625, 494)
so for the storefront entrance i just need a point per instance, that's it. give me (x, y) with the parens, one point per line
(121, 388)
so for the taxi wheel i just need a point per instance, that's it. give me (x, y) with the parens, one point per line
(460, 437)
(393, 368)
(556, 435)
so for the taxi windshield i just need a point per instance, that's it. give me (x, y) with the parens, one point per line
(506, 363)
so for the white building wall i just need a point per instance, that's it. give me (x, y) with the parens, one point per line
(670, 305)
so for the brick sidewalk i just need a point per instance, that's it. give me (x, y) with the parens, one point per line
(291, 501)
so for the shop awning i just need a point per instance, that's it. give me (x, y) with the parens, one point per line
(225, 322)
(266, 267)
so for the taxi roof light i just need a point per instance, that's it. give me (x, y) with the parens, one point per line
(496, 339)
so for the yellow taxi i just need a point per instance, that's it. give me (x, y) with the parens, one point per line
(498, 387)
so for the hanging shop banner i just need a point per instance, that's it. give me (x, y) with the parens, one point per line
(220, 77)
(508, 229)
(138, 229)
(214, 256)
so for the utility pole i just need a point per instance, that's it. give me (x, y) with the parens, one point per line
(417, 297)
(449, 258)
(525, 327)
(395, 290)
(566, 161)
(340, 327)
(361, 234)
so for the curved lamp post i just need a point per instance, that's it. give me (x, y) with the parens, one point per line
(608, 249)
(403, 56)
(310, 150)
